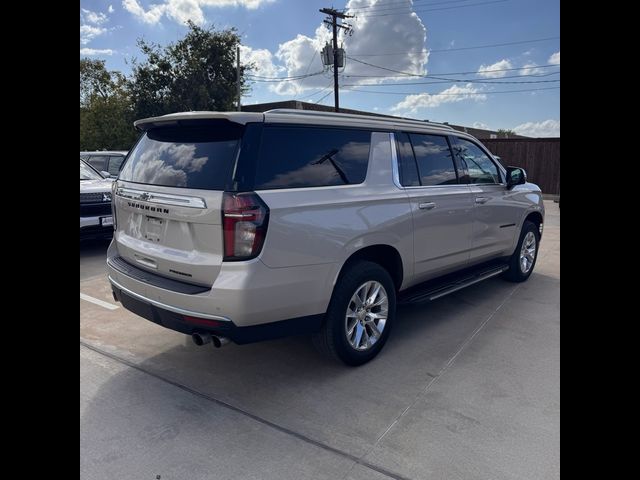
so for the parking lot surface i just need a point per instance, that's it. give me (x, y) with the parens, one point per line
(467, 387)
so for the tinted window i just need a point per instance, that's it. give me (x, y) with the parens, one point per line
(479, 166)
(114, 164)
(406, 162)
(435, 162)
(312, 157)
(87, 173)
(200, 156)
(98, 162)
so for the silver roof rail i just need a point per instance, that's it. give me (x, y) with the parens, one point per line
(394, 120)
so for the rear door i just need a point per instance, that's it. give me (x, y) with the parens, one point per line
(169, 196)
(441, 206)
(495, 212)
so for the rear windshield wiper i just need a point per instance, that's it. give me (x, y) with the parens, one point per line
(338, 168)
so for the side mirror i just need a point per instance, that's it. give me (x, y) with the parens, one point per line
(515, 176)
(105, 174)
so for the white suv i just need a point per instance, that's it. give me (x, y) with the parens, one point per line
(249, 226)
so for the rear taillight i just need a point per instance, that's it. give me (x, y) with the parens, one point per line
(244, 222)
(114, 189)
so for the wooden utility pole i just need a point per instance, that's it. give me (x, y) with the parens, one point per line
(334, 14)
(238, 76)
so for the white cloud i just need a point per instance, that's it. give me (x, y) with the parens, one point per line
(93, 51)
(495, 70)
(89, 32)
(394, 33)
(481, 125)
(547, 128)
(531, 69)
(412, 103)
(555, 58)
(151, 16)
(110, 9)
(262, 60)
(183, 10)
(97, 18)
(300, 55)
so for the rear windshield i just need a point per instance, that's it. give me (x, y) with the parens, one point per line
(198, 156)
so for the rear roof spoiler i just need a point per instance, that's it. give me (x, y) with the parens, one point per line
(241, 118)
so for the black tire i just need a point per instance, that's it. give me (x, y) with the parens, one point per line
(332, 340)
(515, 273)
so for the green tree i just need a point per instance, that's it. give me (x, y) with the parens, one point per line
(197, 72)
(106, 116)
(506, 133)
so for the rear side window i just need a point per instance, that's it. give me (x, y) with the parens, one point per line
(114, 164)
(435, 161)
(295, 157)
(200, 156)
(407, 162)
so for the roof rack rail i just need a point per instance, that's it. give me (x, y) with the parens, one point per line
(396, 120)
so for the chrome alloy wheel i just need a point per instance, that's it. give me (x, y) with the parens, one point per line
(528, 252)
(366, 315)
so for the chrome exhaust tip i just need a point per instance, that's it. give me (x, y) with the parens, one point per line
(219, 341)
(200, 338)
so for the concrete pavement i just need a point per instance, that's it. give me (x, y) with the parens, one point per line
(467, 387)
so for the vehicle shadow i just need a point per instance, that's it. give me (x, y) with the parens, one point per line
(288, 383)
(93, 257)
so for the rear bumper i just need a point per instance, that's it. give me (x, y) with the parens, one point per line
(244, 293)
(180, 321)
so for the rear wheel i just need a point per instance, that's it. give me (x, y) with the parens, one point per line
(524, 258)
(360, 314)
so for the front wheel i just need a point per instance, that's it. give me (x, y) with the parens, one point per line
(360, 314)
(524, 258)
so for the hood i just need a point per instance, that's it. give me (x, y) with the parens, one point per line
(91, 186)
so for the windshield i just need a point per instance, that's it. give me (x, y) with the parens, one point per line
(87, 173)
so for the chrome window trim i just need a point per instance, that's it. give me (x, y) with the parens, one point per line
(498, 165)
(394, 160)
(396, 172)
(161, 198)
(164, 306)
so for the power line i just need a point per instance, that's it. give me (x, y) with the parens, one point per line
(461, 80)
(430, 9)
(259, 78)
(315, 52)
(432, 74)
(401, 4)
(454, 81)
(323, 97)
(316, 92)
(452, 94)
(460, 48)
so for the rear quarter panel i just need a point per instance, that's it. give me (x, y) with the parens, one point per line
(319, 225)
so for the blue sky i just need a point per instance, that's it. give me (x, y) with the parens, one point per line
(414, 36)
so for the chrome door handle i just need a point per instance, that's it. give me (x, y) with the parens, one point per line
(426, 206)
(482, 200)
